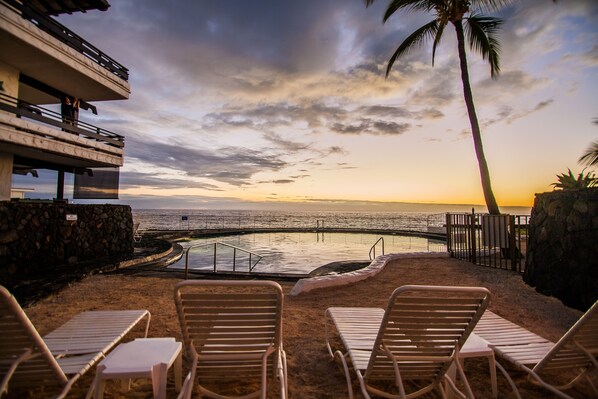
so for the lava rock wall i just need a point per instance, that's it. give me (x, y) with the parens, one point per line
(37, 238)
(562, 253)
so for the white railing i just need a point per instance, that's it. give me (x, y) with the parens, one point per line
(215, 245)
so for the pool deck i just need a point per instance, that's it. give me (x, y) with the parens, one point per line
(337, 280)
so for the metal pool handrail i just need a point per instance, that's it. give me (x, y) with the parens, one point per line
(215, 253)
(373, 248)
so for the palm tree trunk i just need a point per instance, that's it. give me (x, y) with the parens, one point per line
(475, 127)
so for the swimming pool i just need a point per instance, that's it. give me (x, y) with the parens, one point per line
(284, 252)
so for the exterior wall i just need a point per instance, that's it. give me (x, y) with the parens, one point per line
(9, 77)
(562, 252)
(37, 240)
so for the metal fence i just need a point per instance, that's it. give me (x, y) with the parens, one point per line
(498, 241)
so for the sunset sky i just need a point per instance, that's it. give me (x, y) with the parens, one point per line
(237, 103)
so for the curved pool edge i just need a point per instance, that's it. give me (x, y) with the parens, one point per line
(377, 265)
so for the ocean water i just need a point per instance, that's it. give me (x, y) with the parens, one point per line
(177, 219)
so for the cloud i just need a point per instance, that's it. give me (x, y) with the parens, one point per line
(232, 165)
(507, 114)
(509, 81)
(367, 126)
(439, 89)
(385, 111)
(288, 145)
(317, 115)
(588, 59)
(156, 181)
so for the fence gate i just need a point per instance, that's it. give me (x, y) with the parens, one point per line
(498, 241)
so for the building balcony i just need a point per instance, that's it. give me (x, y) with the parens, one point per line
(40, 138)
(42, 49)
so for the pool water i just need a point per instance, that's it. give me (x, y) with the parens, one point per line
(298, 252)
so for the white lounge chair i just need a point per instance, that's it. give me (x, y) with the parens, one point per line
(232, 330)
(575, 353)
(416, 339)
(61, 357)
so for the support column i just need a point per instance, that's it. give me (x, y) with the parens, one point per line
(60, 185)
(6, 161)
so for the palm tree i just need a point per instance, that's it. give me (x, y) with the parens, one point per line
(590, 157)
(481, 34)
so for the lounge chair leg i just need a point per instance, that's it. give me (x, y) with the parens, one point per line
(340, 355)
(591, 382)
(362, 384)
(540, 382)
(494, 383)
(511, 383)
(451, 384)
(468, 391)
(282, 374)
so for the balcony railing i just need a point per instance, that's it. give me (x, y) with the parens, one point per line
(68, 37)
(23, 109)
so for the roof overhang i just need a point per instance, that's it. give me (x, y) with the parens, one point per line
(57, 7)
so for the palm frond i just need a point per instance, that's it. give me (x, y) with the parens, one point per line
(488, 6)
(416, 39)
(409, 5)
(590, 157)
(482, 32)
(437, 38)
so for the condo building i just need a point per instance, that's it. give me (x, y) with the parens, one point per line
(49, 76)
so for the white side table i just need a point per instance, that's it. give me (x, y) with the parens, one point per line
(141, 358)
(476, 346)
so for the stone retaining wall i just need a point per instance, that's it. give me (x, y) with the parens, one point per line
(38, 238)
(562, 252)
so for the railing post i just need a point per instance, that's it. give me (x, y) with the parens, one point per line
(234, 258)
(449, 242)
(513, 244)
(214, 257)
(250, 261)
(473, 247)
(187, 264)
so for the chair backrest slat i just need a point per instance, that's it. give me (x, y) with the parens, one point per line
(421, 328)
(566, 353)
(230, 324)
(17, 336)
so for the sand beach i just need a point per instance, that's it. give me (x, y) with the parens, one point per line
(312, 374)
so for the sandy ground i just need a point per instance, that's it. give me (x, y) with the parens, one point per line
(312, 374)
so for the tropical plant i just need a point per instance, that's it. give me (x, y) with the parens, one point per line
(481, 30)
(567, 181)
